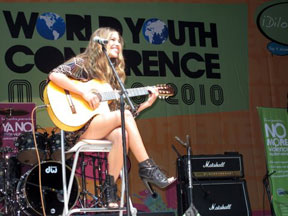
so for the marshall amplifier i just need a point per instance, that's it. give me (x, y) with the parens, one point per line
(222, 166)
(216, 198)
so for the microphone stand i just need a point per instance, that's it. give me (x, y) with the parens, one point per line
(191, 211)
(122, 93)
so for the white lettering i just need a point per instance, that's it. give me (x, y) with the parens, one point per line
(17, 127)
(51, 169)
(277, 129)
(274, 22)
(215, 207)
(8, 128)
(213, 165)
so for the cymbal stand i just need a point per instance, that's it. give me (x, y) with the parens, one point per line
(10, 206)
(5, 188)
(96, 168)
(100, 165)
(83, 175)
(85, 192)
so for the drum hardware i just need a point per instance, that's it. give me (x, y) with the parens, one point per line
(54, 145)
(94, 176)
(94, 172)
(83, 201)
(12, 112)
(84, 191)
(99, 168)
(9, 176)
(6, 149)
(47, 146)
(26, 147)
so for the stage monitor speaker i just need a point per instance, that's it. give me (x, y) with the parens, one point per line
(216, 198)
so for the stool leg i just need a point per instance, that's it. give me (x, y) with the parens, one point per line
(65, 209)
(72, 173)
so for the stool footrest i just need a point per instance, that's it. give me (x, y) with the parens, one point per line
(86, 210)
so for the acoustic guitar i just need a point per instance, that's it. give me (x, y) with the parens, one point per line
(69, 111)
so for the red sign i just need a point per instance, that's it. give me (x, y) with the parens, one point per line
(15, 119)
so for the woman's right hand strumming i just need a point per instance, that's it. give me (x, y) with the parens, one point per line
(92, 99)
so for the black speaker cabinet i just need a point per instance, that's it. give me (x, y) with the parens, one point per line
(216, 198)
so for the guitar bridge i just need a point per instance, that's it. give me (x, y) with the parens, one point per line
(70, 102)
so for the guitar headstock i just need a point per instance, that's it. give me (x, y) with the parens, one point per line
(165, 91)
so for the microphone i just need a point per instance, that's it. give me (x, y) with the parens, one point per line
(99, 40)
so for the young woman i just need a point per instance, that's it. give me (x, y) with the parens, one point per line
(93, 64)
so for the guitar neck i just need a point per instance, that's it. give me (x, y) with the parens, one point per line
(114, 95)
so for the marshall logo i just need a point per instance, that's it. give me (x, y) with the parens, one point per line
(51, 169)
(215, 207)
(213, 165)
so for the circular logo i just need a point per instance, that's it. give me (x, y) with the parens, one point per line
(155, 31)
(50, 26)
(272, 22)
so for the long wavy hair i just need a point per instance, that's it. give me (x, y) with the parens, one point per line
(96, 64)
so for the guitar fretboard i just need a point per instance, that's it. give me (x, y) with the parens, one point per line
(114, 95)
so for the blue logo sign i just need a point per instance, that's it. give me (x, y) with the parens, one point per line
(277, 49)
(50, 26)
(155, 31)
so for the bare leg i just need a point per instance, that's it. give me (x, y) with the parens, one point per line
(103, 127)
(115, 156)
(106, 126)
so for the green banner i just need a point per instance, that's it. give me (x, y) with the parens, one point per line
(275, 126)
(200, 49)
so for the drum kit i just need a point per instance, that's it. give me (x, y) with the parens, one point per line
(19, 175)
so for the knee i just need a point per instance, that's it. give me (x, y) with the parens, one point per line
(117, 136)
(128, 115)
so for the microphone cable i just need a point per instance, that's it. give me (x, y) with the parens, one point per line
(38, 157)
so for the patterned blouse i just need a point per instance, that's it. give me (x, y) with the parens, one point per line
(72, 137)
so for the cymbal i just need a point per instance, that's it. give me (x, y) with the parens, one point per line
(13, 112)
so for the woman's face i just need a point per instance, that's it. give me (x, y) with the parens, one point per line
(114, 46)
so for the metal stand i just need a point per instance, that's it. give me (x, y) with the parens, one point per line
(122, 94)
(65, 194)
(191, 211)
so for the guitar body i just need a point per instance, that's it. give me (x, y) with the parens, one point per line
(59, 105)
